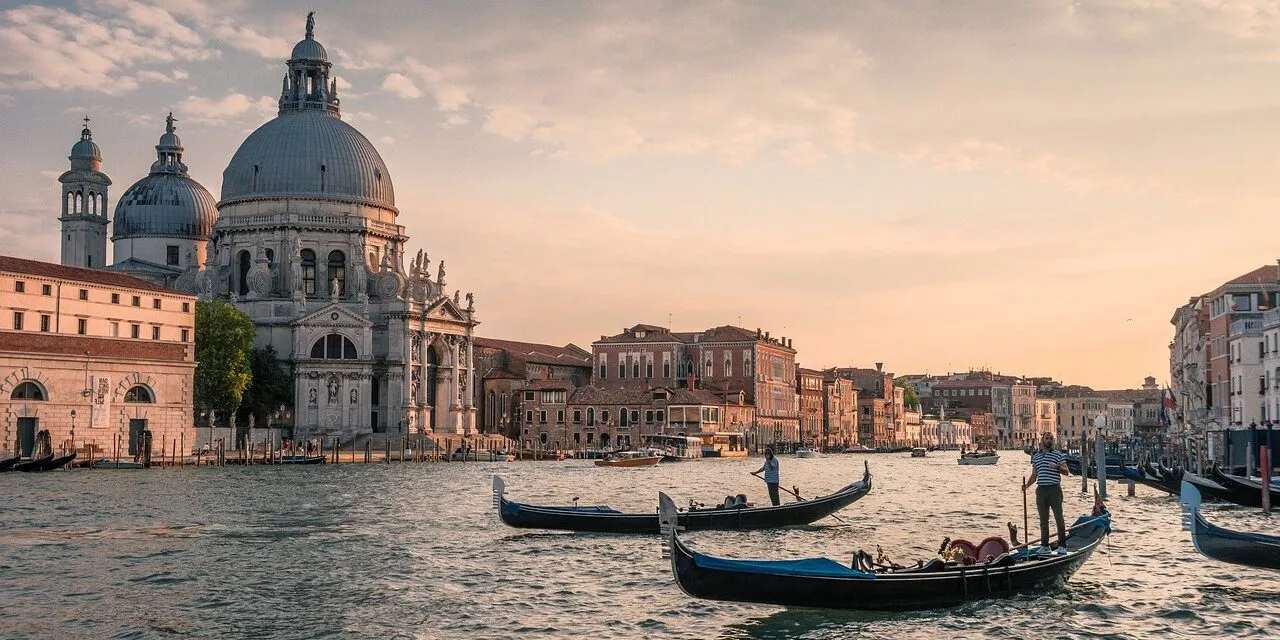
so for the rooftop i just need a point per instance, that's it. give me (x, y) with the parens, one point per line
(53, 271)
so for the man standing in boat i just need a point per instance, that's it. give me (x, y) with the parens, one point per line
(770, 469)
(1049, 465)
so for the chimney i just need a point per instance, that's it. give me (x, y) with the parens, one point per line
(879, 366)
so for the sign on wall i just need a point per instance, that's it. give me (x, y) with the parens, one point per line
(101, 396)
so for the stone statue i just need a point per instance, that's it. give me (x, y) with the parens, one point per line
(471, 302)
(440, 276)
(295, 275)
(354, 396)
(333, 389)
(418, 264)
(456, 294)
(334, 288)
(191, 257)
(357, 275)
(204, 282)
(311, 396)
(311, 25)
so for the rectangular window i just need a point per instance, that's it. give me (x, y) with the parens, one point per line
(17, 321)
(577, 416)
(115, 329)
(46, 289)
(155, 333)
(648, 369)
(542, 416)
(648, 415)
(115, 298)
(137, 301)
(662, 416)
(528, 416)
(185, 335)
(186, 307)
(528, 396)
(82, 326)
(604, 370)
(560, 416)
(155, 303)
(635, 369)
(635, 416)
(134, 331)
(19, 286)
(666, 369)
(171, 254)
(44, 323)
(84, 294)
(622, 369)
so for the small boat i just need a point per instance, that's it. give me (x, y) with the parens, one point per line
(1243, 491)
(978, 457)
(301, 460)
(918, 452)
(804, 451)
(117, 464)
(45, 463)
(7, 464)
(1115, 467)
(826, 583)
(630, 459)
(858, 448)
(734, 513)
(1224, 545)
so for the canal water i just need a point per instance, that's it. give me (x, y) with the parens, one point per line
(416, 551)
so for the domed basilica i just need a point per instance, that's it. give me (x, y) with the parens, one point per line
(305, 241)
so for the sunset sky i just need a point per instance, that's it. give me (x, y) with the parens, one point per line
(1029, 186)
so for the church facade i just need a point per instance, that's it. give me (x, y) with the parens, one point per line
(305, 240)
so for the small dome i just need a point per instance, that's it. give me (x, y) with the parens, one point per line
(308, 154)
(170, 140)
(165, 204)
(86, 148)
(308, 49)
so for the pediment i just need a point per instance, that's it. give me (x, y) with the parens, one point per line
(445, 309)
(333, 315)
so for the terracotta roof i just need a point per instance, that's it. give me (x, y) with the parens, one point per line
(1266, 275)
(56, 344)
(539, 385)
(568, 355)
(808, 372)
(652, 333)
(596, 395)
(50, 270)
(702, 397)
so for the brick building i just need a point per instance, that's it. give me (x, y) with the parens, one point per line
(839, 412)
(93, 356)
(809, 392)
(508, 368)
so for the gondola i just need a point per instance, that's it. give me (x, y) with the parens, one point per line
(1167, 481)
(735, 516)
(7, 465)
(1225, 545)
(44, 463)
(1244, 491)
(1115, 468)
(825, 583)
(301, 460)
(117, 464)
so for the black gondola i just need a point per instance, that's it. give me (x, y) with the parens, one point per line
(44, 463)
(1115, 467)
(1243, 491)
(603, 519)
(1152, 476)
(1225, 545)
(7, 465)
(825, 583)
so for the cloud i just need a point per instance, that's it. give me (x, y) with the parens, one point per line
(249, 40)
(54, 48)
(401, 86)
(387, 140)
(232, 106)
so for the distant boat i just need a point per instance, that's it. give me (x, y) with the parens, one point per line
(301, 460)
(804, 452)
(978, 457)
(630, 459)
(116, 464)
(46, 463)
(918, 452)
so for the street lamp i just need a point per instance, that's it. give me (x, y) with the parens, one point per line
(73, 430)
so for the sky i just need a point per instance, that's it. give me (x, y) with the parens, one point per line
(1031, 187)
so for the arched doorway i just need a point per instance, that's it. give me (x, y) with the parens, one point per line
(432, 366)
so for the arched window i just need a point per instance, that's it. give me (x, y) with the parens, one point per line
(308, 272)
(591, 416)
(543, 437)
(93, 204)
(139, 393)
(710, 368)
(728, 365)
(337, 269)
(246, 261)
(29, 391)
(622, 417)
(334, 347)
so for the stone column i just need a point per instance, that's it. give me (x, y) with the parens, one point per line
(468, 398)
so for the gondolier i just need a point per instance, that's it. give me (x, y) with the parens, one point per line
(770, 469)
(1049, 466)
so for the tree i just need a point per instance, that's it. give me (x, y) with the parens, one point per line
(909, 397)
(270, 387)
(224, 337)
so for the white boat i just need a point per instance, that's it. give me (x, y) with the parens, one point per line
(804, 452)
(978, 457)
(918, 452)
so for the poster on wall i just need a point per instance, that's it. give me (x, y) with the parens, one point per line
(100, 394)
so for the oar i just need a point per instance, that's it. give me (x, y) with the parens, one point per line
(1061, 539)
(1026, 526)
(797, 497)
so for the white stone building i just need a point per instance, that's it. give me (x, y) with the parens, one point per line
(1270, 410)
(1120, 420)
(1248, 390)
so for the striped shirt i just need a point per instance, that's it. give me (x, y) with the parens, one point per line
(1046, 464)
(771, 470)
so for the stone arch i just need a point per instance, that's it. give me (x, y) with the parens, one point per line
(141, 394)
(128, 382)
(334, 346)
(29, 390)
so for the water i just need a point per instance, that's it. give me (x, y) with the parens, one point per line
(416, 551)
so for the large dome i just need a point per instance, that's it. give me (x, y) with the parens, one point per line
(308, 154)
(165, 204)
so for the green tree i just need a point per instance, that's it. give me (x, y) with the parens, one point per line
(909, 397)
(269, 388)
(224, 338)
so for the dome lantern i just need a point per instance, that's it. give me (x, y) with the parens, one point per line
(307, 85)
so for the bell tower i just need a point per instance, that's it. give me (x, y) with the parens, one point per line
(84, 205)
